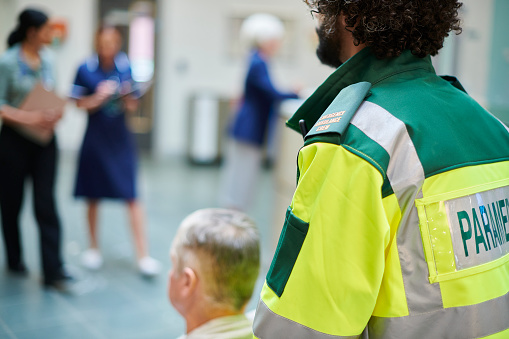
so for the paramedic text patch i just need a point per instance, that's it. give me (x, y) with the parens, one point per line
(479, 226)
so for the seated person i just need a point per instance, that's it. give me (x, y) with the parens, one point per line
(216, 260)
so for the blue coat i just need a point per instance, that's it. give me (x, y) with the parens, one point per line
(259, 101)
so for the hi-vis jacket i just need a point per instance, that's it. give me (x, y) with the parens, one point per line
(399, 224)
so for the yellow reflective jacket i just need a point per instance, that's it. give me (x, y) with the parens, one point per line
(399, 224)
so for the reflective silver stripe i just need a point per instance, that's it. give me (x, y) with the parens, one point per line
(406, 175)
(268, 325)
(474, 321)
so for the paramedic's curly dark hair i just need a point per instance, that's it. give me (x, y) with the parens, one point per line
(392, 26)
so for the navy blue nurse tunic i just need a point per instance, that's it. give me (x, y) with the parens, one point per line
(258, 104)
(107, 160)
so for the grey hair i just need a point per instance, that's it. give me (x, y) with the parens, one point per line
(225, 245)
(261, 27)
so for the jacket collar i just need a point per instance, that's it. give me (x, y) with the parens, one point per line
(363, 66)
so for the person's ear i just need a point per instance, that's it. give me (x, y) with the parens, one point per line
(190, 281)
(341, 22)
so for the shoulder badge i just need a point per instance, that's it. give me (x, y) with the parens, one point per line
(340, 112)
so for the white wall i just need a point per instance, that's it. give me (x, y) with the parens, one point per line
(467, 56)
(7, 21)
(475, 47)
(193, 56)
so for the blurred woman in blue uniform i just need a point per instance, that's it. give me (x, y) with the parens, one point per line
(258, 107)
(107, 162)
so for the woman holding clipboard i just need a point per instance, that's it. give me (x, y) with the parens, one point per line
(23, 155)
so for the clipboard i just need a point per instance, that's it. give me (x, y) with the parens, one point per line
(137, 88)
(39, 99)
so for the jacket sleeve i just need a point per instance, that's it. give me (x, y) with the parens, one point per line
(327, 270)
(79, 88)
(260, 79)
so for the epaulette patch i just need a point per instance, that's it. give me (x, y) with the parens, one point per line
(340, 112)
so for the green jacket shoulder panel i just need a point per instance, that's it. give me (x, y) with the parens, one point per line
(447, 127)
(334, 127)
(337, 116)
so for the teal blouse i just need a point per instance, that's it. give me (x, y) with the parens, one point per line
(17, 78)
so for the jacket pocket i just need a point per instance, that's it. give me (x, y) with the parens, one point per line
(288, 248)
(464, 232)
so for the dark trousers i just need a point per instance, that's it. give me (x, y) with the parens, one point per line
(21, 159)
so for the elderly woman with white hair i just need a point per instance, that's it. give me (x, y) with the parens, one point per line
(249, 129)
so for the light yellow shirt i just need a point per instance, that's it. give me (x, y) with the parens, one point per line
(230, 327)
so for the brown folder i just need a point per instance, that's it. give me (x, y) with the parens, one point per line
(39, 99)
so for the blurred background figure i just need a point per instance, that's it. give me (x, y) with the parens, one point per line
(107, 161)
(215, 262)
(257, 109)
(22, 66)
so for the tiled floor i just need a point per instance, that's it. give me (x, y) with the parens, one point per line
(116, 302)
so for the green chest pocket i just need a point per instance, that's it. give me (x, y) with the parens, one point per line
(288, 248)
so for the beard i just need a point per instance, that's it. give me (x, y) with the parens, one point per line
(329, 47)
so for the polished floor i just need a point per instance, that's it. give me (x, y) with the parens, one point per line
(116, 302)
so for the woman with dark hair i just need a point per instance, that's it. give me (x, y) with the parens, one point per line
(107, 161)
(22, 66)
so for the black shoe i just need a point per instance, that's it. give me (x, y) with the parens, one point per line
(19, 269)
(62, 283)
